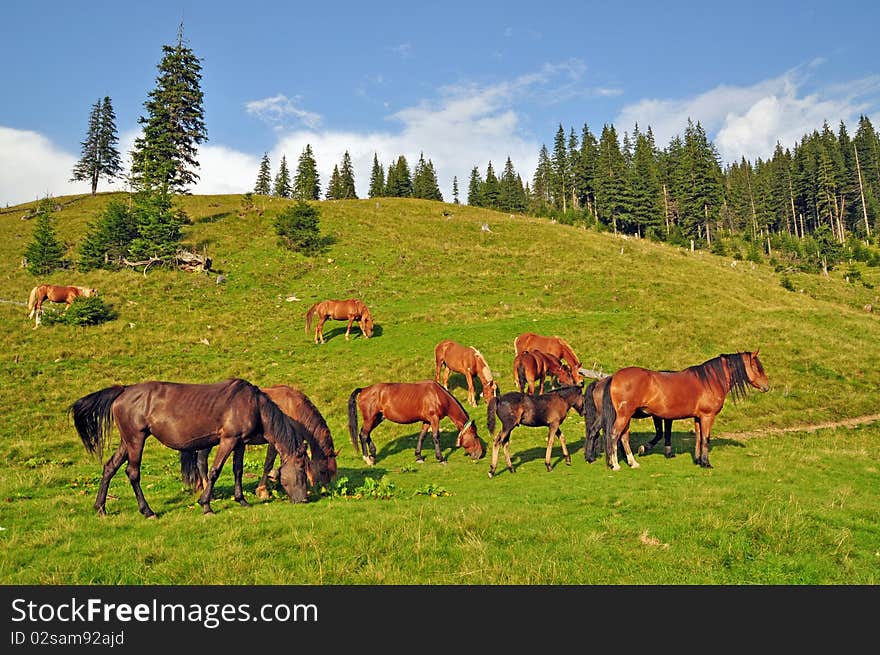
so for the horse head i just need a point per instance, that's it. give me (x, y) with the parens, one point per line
(755, 371)
(367, 323)
(322, 468)
(467, 437)
(296, 474)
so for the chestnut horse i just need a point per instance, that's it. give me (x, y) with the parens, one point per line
(531, 368)
(350, 310)
(697, 392)
(423, 402)
(40, 293)
(593, 423)
(555, 346)
(229, 414)
(298, 406)
(467, 360)
(517, 408)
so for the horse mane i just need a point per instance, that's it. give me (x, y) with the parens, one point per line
(714, 369)
(489, 376)
(315, 424)
(575, 362)
(456, 400)
(275, 422)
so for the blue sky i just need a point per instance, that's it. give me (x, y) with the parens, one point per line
(464, 83)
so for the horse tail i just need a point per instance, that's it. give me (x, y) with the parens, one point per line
(490, 415)
(353, 417)
(309, 314)
(189, 468)
(32, 302)
(609, 414)
(93, 417)
(521, 374)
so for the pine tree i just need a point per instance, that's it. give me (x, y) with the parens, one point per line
(45, 252)
(610, 178)
(346, 179)
(99, 156)
(334, 186)
(475, 189)
(263, 186)
(510, 190)
(560, 179)
(455, 200)
(584, 170)
(283, 187)
(542, 182)
(399, 183)
(377, 179)
(644, 212)
(306, 182)
(298, 229)
(107, 243)
(491, 192)
(164, 156)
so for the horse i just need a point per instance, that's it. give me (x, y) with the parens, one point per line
(409, 402)
(229, 414)
(350, 310)
(467, 360)
(298, 406)
(517, 408)
(531, 368)
(593, 423)
(697, 392)
(42, 292)
(555, 346)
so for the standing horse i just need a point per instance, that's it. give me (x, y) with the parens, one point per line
(409, 402)
(466, 360)
(555, 346)
(517, 408)
(229, 414)
(531, 368)
(697, 392)
(298, 406)
(40, 293)
(350, 310)
(593, 423)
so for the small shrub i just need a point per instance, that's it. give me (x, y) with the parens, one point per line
(786, 283)
(82, 311)
(298, 229)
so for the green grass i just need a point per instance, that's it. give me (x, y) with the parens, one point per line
(795, 507)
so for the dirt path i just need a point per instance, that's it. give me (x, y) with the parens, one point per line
(845, 423)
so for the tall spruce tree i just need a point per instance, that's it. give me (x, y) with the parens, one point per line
(491, 192)
(334, 191)
(455, 199)
(542, 182)
(45, 252)
(377, 179)
(283, 187)
(263, 186)
(164, 156)
(99, 156)
(306, 182)
(560, 180)
(346, 178)
(475, 188)
(610, 178)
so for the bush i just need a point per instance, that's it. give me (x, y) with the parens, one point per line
(82, 311)
(297, 226)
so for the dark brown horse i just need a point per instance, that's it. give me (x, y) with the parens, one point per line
(229, 414)
(468, 361)
(593, 423)
(298, 406)
(697, 392)
(423, 402)
(350, 310)
(555, 346)
(547, 409)
(532, 367)
(54, 293)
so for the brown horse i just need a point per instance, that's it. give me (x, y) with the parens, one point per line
(298, 406)
(350, 310)
(555, 346)
(532, 367)
(466, 360)
(423, 402)
(697, 392)
(593, 423)
(40, 293)
(517, 408)
(229, 414)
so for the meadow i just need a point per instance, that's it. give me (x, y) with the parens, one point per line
(792, 499)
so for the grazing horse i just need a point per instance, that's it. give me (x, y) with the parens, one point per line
(409, 402)
(555, 346)
(229, 414)
(350, 310)
(697, 392)
(593, 423)
(467, 360)
(298, 406)
(40, 293)
(547, 409)
(531, 368)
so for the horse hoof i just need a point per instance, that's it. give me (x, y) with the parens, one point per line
(635, 465)
(641, 450)
(263, 494)
(549, 468)
(670, 455)
(510, 468)
(491, 474)
(615, 467)
(151, 516)
(568, 460)
(441, 461)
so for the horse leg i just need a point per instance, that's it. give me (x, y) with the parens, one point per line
(262, 489)
(237, 470)
(366, 441)
(471, 393)
(110, 467)
(667, 439)
(319, 330)
(435, 433)
(419, 458)
(565, 454)
(348, 327)
(624, 439)
(658, 433)
(612, 439)
(705, 426)
(133, 471)
(223, 449)
(446, 377)
(502, 438)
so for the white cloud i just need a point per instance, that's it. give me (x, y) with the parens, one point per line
(276, 109)
(748, 121)
(31, 167)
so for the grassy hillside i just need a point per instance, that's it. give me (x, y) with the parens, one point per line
(785, 507)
